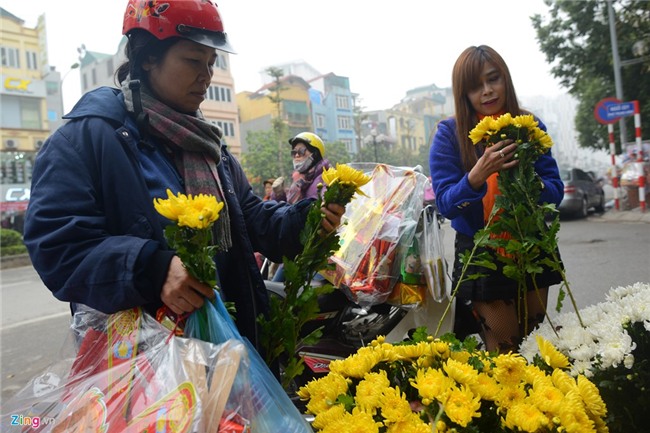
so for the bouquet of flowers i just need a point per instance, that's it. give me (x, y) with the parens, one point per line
(444, 385)
(612, 349)
(517, 228)
(281, 330)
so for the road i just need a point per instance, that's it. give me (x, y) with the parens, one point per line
(597, 255)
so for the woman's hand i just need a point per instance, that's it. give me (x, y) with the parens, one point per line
(181, 292)
(333, 213)
(495, 158)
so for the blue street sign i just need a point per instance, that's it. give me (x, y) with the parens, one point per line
(623, 109)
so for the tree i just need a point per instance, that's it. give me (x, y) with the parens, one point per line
(262, 148)
(279, 126)
(575, 38)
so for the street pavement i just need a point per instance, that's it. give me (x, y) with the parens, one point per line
(633, 215)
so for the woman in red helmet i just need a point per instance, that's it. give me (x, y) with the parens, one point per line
(92, 231)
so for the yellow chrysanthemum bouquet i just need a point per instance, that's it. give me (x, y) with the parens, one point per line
(191, 236)
(443, 385)
(517, 226)
(281, 331)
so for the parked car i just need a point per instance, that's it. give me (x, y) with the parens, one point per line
(581, 193)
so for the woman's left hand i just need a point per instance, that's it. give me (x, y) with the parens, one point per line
(333, 213)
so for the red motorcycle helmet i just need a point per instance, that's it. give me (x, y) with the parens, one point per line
(196, 20)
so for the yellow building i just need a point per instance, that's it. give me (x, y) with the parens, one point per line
(31, 108)
(256, 109)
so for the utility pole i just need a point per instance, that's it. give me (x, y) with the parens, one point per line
(617, 68)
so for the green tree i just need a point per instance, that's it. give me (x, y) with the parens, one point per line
(262, 148)
(575, 38)
(279, 126)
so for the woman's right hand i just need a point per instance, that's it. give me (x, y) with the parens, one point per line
(495, 158)
(181, 292)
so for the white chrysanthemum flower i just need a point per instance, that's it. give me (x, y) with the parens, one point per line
(628, 361)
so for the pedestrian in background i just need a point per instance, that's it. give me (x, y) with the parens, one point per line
(464, 179)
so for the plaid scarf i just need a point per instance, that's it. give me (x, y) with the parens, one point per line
(196, 146)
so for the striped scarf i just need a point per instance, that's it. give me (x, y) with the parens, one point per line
(196, 146)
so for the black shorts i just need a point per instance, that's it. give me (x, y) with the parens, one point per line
(494, 285)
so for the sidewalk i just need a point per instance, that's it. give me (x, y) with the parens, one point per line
(634, 215)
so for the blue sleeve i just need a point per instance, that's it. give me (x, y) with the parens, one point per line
(454, 194)
(547, 169)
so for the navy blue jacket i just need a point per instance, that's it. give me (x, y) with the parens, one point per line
(95, 238)
(455, 197)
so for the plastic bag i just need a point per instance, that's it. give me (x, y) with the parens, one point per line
(273, 409)
(131, 375)
(376, 228)
(432, 255)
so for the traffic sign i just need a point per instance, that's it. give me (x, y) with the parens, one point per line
(610, 110)
(623, 109)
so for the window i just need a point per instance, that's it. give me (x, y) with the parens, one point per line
(342, 102)
(32, 62)
(343, 122)
(109, 67)
(21, 113)
(84, 80)
(10, 57)
(228, 128)
(348, 144)
(320, 121)
(218, 93)
(221, 62)
(94, 75)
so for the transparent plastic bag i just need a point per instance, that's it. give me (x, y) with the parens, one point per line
(273, 409)
(131, 375)
(432, 255)
(376, 228)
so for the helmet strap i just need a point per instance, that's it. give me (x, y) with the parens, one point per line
(141, 118)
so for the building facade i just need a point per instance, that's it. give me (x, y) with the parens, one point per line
(31, 110)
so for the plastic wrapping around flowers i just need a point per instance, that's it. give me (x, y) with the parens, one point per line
(131, 375)
(376, 261)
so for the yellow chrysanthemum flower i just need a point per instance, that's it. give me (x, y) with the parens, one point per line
(503, 121)
(563, 381)
(358, 364)
(331, 415)
(525, 121)
(432, 384)
(462, 373)
(573, 416)
(171, 207)
(509, 368)
(323, 392)
(411, 424)
(510, 395)
(483, 130)
(198, 212)
(370, 389)
(462, 405)
(486, 387)
(356, 422)
(547, 398)
(440, 348)
(525, 417)
(551, 356)
(413, 351)
(591, 396)
(346, 175)
(394, 406)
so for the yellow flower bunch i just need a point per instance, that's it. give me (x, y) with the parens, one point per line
(346, 176)
(521, 129)
(441, 385)
(198, 212)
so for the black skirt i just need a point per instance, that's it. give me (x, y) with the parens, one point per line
(495, 285)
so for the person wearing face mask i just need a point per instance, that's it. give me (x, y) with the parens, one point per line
(308, 154)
